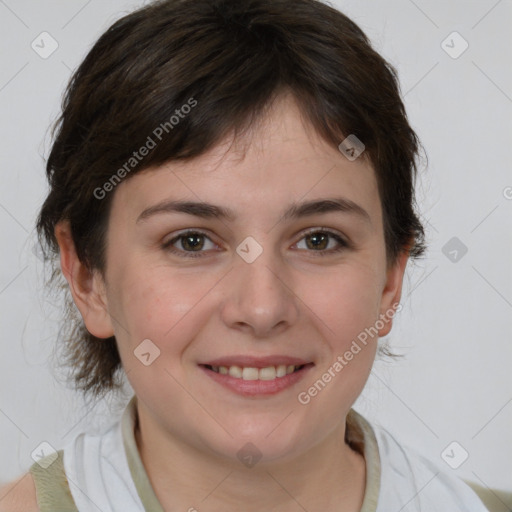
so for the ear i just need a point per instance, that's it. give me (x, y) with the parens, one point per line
(392, 292)
(87, 287)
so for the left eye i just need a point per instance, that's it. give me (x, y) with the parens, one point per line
(323, 242)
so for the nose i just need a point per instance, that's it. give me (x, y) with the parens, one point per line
(259, 297)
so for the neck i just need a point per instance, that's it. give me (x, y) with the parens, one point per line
(330, 476)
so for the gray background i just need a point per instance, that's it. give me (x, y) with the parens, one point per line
(455, 382)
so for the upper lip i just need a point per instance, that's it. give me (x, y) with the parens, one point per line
(256, 362)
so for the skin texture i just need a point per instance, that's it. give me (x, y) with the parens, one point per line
(291, 301)
(19, 495)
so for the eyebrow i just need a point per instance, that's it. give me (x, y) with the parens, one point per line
(295, 211)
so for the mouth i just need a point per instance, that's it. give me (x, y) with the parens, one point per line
(259, 379)
(254, 373)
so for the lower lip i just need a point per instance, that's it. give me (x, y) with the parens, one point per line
(258, 387)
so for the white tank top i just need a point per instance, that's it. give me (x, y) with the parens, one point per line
(104, 472)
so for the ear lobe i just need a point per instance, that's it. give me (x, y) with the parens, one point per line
(87, 286)
(392, 293)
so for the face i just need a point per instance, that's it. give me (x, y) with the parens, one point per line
(284, 278)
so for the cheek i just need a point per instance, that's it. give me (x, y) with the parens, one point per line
(344, 307)
(158, 305)
(345, 302)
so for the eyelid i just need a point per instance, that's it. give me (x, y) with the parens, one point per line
(176, 236)
(322, 229)
(342, 240)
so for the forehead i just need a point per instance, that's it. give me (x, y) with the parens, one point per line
(279, 160)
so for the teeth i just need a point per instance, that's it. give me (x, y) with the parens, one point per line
(248, 373)
(235, 371)
(268, 373)
(281, 371)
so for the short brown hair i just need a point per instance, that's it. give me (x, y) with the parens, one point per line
(233, 58)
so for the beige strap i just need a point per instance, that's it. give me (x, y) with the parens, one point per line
(140, 478)
(52, 487)
(360, 435)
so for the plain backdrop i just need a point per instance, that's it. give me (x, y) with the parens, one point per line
(455, 382)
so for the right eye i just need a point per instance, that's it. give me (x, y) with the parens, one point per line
(191, 242)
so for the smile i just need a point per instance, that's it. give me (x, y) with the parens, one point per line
(249, 373)
(252, 381)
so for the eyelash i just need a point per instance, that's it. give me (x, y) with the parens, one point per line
(198, 254)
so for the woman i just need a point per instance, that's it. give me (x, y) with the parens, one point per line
(232, 203)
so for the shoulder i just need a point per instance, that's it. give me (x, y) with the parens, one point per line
(410, 477)
(19, 495)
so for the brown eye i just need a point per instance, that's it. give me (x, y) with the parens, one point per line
(317, 240)
(192, 242)
(323, 242)
(188, 243)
